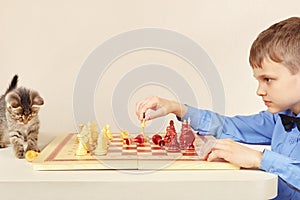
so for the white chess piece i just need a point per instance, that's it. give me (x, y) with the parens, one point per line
(101, 148)
(81, 149)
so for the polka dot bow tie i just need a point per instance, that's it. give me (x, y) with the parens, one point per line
(289, 121)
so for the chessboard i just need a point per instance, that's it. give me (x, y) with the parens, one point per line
(60, 155)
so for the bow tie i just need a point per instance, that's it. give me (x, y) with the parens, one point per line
(289, 121)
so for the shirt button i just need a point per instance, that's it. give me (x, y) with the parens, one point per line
(292, 141)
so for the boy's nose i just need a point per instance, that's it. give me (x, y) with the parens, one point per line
(260, 91)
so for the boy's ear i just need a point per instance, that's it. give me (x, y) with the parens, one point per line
(36, 99)
(13, 99)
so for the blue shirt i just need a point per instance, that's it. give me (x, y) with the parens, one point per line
(263, 128)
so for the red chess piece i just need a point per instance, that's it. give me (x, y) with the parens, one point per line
(167, 137)
(170, 130)
(157, 139)
(139, 139)
(173, 146)
(187, 136)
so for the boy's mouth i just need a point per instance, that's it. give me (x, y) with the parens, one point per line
(267, 103)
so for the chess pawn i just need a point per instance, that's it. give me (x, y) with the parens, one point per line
(124, 134)
(143, 125)
(108, 133)
(138, 139)
(81, 149)
(157, 139)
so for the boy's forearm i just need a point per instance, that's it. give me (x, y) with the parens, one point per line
(178, 109)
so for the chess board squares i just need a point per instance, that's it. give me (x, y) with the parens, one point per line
(114, 150)
(190, 153)
(129, 150)
(116, 140)
(144, 149)
(158, 151)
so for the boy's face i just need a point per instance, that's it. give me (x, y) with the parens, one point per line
(278, 87)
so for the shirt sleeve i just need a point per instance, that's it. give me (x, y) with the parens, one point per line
(252, 129)
(285, 167)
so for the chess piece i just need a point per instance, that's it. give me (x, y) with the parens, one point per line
(80, 127)
(173, 146)
(108, 133)
(169, 130)
(124, 134)
(157, 139)
(31, 155)
(92, 135)
(93, 130)
(143, 124)
(81, 148)
(83, 135)
(101, 148)
(187, 136)
(80, 131)
(138, 139)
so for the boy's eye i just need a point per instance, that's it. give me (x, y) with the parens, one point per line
(268, 80)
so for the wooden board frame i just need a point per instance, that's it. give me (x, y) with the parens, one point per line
(60, 155)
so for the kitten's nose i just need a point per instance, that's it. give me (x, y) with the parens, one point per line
(25, 120)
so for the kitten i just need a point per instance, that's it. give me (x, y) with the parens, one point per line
(19, 118)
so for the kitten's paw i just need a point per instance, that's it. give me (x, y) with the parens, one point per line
(2, 145)
(36, 149)
(19, 154)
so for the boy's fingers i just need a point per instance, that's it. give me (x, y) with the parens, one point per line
(141, 108)
(156, 113)
(216, 154)
(149, 103)
(212, 156)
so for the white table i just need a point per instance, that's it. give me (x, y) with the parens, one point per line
(17, 179)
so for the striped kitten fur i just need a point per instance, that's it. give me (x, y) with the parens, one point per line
(19, 108)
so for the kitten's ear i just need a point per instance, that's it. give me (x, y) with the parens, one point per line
(36, 99)
(13, 99)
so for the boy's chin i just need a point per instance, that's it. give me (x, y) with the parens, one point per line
(274, 110)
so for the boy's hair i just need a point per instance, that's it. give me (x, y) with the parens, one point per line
(280, 42)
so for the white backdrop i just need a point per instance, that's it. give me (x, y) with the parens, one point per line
(46, 43)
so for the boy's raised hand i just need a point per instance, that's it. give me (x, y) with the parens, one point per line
(159, 106)
(235, 153)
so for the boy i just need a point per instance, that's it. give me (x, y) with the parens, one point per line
(275, 60)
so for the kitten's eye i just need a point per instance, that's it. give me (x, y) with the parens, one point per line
(17, 110)
(35, 109)
(14, 105)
